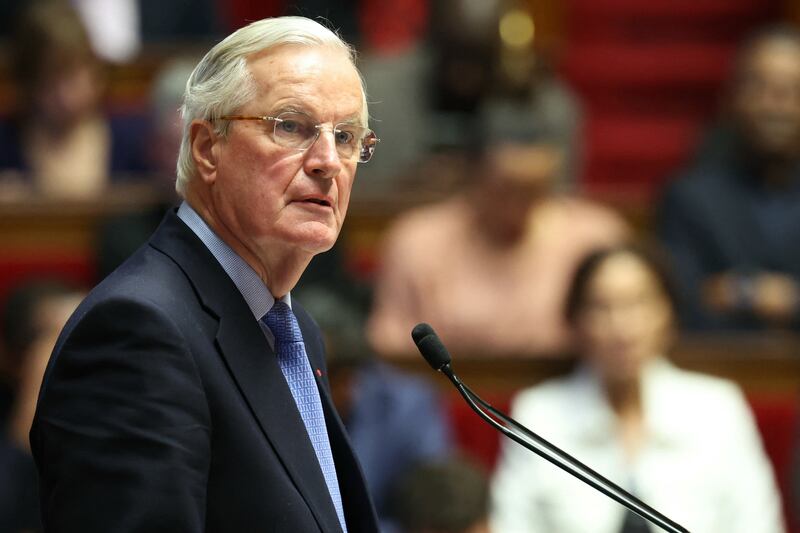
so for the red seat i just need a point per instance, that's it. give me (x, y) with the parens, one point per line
(640, 138)
(651, 57)
(671, 9)
(650, 66)
(777, 419)
(472, 435)
(73, 268)
(637, 150)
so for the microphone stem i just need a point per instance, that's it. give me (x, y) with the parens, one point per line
(519, 427)
(561, 459)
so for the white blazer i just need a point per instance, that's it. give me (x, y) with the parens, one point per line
(702, 463)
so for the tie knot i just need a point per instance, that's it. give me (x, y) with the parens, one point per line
(282, 323)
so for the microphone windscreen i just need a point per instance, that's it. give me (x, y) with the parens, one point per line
(430, 346)
(420, 331)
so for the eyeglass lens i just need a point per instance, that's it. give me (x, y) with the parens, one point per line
(296, 130)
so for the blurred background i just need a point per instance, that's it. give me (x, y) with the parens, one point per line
(516, 138)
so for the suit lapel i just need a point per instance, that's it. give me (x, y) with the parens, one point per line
(253, 365)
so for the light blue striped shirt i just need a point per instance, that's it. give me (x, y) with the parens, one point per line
(254, 291)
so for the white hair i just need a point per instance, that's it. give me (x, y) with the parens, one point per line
(222, 82)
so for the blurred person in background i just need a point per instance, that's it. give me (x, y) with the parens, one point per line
(732, 220)
(527, 90)
(486, 69)
(488, 267)
(164, 124)
(59, 141)
(395, 421)
(118, 28)
(33, 316)
(450, 496)
(682, 442)
(545, 102)
(120, 235)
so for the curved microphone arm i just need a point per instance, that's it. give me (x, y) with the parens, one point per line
(559, 458)
(510, 421)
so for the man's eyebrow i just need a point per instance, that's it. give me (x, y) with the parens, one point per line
(290, 109)
(350, 119)
(353, 118)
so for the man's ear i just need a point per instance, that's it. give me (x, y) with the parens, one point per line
(203, 143)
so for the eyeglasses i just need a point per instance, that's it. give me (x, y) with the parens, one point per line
(298, 131)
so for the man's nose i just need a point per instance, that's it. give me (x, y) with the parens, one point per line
(322, 159)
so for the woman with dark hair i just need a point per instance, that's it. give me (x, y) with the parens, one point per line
(59, 142)
(683, 442)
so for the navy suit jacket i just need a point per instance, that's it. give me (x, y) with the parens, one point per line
(163, 408)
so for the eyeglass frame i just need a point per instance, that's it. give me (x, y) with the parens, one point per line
(318, 127)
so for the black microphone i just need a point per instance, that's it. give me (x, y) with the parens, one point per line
(430, 346)
(435, 353)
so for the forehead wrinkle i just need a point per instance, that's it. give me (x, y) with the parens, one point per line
(306, 83)
(303, 96)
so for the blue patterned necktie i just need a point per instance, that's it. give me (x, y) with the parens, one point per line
(296, 369)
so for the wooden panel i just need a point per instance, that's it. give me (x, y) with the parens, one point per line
(762, 365)
(43, 224)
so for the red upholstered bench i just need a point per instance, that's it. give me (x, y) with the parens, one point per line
(15, 270)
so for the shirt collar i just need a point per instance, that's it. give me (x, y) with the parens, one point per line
(254, 291)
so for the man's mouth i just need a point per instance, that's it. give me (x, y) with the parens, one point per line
(316, 200)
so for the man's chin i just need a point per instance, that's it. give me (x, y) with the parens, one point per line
(315, 237)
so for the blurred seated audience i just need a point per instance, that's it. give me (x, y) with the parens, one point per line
(165, 128)
(33, 317)
(527, 90)
(489, 266)
(59, 141)
(684, 443)
(120, 235)
(477, 76)
(394, 420)
(542, 100)
(732, 220)
(151, 21)
(449, 496)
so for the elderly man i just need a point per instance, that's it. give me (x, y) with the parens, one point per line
(188, 392)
